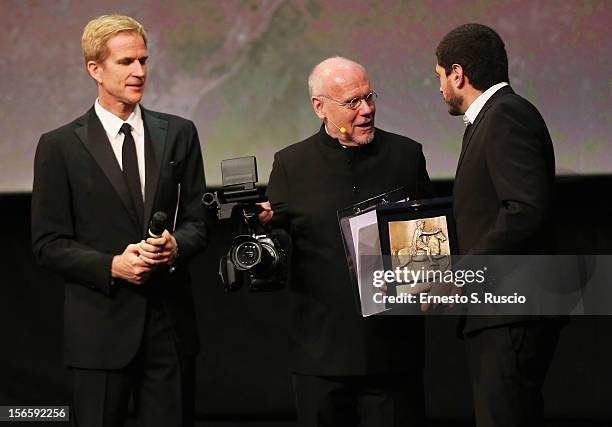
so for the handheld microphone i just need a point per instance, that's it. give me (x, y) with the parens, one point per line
(342, 129)
(159, 222)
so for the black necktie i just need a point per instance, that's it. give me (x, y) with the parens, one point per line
(130, 170)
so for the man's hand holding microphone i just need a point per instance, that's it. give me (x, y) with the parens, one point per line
(139, 260)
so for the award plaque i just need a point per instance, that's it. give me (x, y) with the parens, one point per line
(417, 236)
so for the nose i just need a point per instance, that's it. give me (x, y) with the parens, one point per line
(366, 108)
(138, 69)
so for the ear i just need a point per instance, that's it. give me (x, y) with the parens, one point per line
(95, 71)
(458, 79)
(317, 106)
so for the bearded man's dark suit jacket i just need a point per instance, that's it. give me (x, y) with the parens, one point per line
(82, 216)
(504, 185)
(502, 205)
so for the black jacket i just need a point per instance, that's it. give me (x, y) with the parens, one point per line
(503, 187)
(309, 183)
(82, 216)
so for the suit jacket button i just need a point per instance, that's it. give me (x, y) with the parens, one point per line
(355, 189)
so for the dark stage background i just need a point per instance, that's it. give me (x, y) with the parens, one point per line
(243, 371)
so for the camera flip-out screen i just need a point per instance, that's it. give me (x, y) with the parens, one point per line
(242, 170)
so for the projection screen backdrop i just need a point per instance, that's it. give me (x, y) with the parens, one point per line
(238, 69)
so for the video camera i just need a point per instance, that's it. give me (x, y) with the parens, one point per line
(257, 256)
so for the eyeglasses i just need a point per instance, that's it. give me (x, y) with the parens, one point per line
(352, 104)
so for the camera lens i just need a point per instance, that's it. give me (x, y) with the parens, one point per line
(245, 255)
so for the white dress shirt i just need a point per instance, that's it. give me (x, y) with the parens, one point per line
(112, 126)
(473, 110)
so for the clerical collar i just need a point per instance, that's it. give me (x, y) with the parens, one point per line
(336, 141)
(330, 140)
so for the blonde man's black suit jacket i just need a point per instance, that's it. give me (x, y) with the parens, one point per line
(82, 216)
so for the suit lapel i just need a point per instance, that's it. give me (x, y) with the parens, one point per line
(156, 131)
(93, 136)
(467, 135)
(471, 130)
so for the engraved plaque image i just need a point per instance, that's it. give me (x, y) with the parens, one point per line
(420, 244)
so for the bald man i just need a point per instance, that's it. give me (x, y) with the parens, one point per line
(348, 370)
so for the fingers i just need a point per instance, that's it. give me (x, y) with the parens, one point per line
(159, 259)
(424, 287)
(155, 258)
(129, 267)
(166, 241)
(448, 289)
(130, 259)
(266, 215)
(138, 260)
(134, 269)
(455, 291)
(141, 275)
(155, 255)
(157, 241)
(419, 288)
(132, 249)
(144, 246)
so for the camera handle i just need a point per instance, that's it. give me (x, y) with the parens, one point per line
(250, 215)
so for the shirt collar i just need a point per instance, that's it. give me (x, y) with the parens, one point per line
(332, 138)
(329, 141)
(473, 110)
(112, 124)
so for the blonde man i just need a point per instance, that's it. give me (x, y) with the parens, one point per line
(128, 313)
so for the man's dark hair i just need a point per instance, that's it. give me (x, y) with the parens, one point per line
(479, 50)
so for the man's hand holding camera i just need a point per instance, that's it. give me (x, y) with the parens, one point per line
(266, 215)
